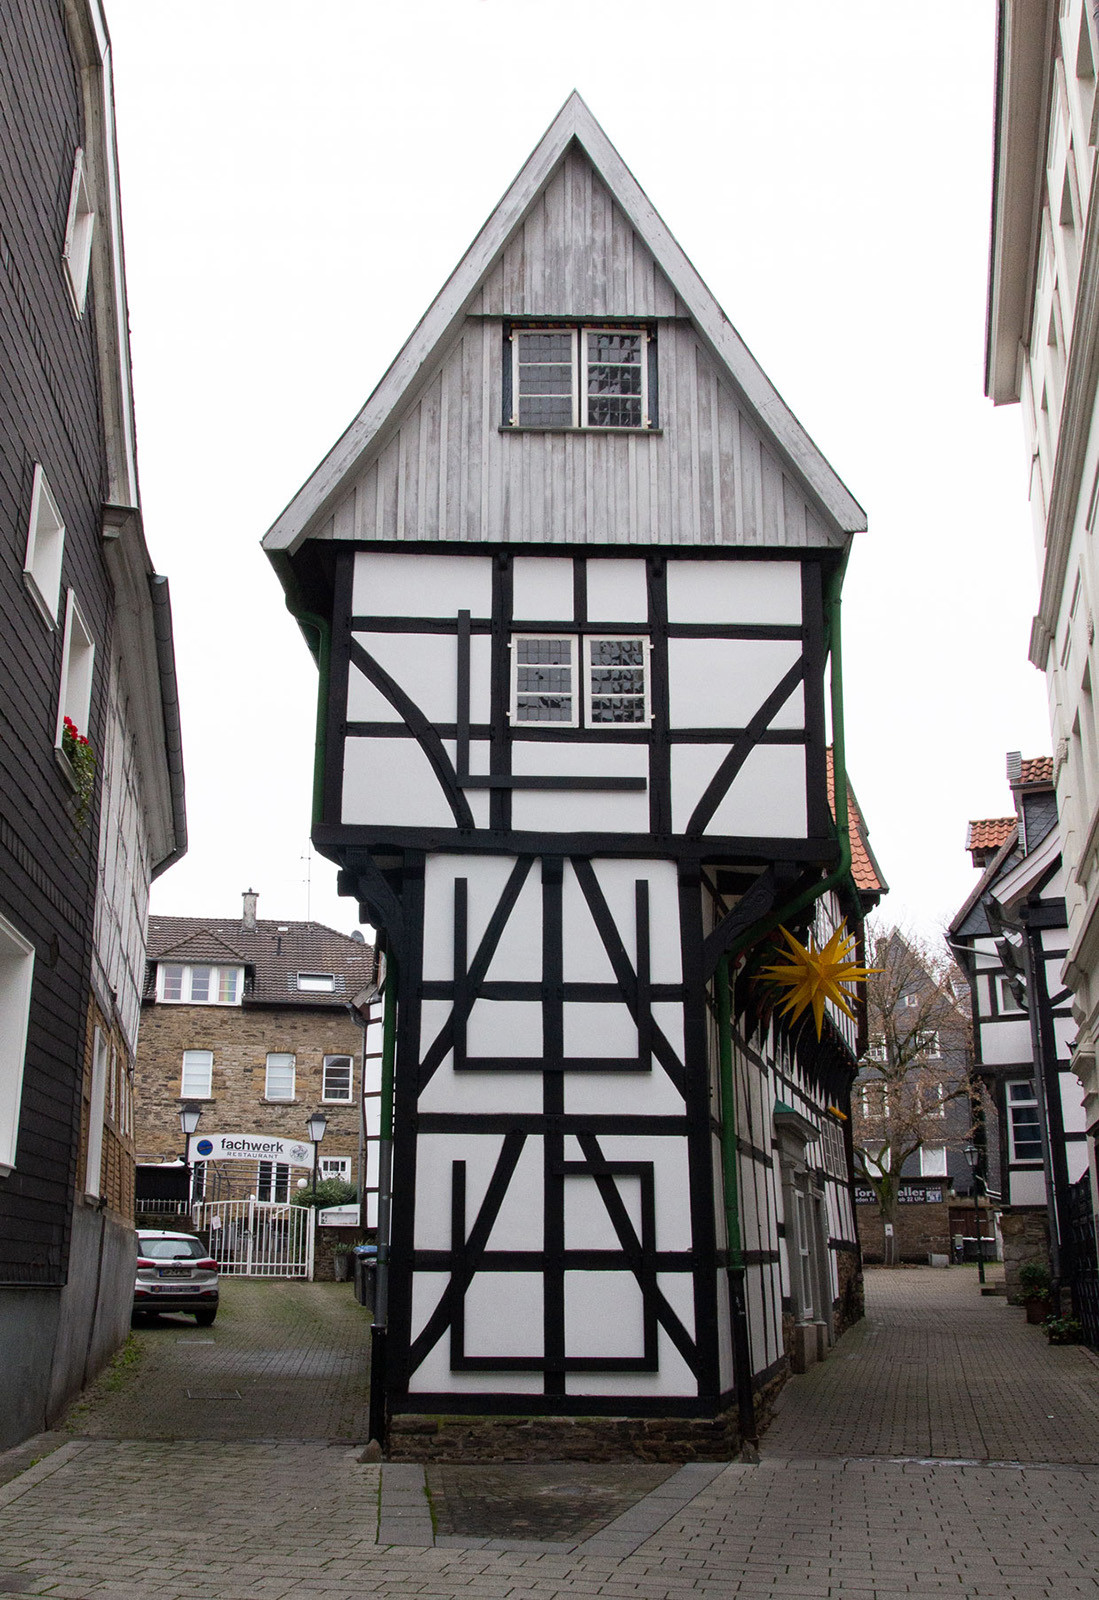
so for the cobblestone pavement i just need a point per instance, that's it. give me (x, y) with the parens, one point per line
(121, 1517)
(284, 1360)
(936, 1369)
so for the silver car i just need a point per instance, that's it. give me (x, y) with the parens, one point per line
(175, 1272)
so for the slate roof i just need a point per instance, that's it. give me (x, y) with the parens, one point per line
(274, 953)
(984, 837)
(865, 871)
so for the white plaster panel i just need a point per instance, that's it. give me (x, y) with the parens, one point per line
(585, 956)
(721, 683)
(673, 1376)
(519, 1223)
(433, 1376)
(1006, 1043)
(593, 1029)
(618, 591)
(580, 811)
(724, 1332)
(1064, 1032)
(485, 877)
(480, 1091)
(365, 703)
(668, 1016)
(603, 1314)
(1027, 1188)
(671, 1181)
(617, 880)
(392, 781)
(505, 1028)
(766, 799)
(435, 1155)
(588, 1224)
(541, 589)
(1076, 1158)
(504, 1314)
(425, 666)
(414, 585)
(1072, 1104)
(734, 591)
(518, 956)
(649, 1094)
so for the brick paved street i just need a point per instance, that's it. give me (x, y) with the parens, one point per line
(824, 1514)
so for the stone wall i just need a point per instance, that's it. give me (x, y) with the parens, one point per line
(324, 1250)
(1026, 1238)
(921, 1230)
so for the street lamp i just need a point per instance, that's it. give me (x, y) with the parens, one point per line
(973, 1157)
(317, 1125)
(188, 1121)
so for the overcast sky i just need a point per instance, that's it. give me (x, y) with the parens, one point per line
(299, 180)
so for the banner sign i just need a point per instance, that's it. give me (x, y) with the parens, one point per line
(909, 1194)
(250, 1147)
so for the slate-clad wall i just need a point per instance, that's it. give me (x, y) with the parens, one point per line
(49, 412)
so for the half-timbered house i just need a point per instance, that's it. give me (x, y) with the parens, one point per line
(572, 578)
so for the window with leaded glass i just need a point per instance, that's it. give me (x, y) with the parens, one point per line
(579, 377)
(616, 681)
(544, 680)
(545, 378)
(614, 370)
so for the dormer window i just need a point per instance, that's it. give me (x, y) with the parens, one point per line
(578, 377)
(317, 982)
(199, 985)
(611, 684)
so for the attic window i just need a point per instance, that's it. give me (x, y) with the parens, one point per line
(317, 982)
(79, 225)
(198, 985)
(579, 377)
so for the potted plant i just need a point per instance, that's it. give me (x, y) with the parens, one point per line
(1034, 1284)
(1063, 1330)
(341, 1260)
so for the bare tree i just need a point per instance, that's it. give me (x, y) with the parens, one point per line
(917, 1064)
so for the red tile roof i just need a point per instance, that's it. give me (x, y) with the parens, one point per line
(276, 951)
(986, 836)
(1038, 769)
(864, 869)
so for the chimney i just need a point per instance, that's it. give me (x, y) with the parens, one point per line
(248, 919)
(1014, 767)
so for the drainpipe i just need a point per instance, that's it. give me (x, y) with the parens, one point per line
(738, 1308)
(385, 1204)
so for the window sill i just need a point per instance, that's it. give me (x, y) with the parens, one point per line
(66, 768)
(267, 1101)
(629, 433)
(40, 601)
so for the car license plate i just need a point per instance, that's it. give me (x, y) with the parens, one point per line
(175, 1272)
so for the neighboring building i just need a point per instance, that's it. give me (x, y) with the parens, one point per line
(1043, 351)
(87, 642)
(914, 1094)
(572, 577)
(259, 1024)
(1011, 938)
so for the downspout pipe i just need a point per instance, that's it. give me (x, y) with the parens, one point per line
(377, 1420)
(738, 1306)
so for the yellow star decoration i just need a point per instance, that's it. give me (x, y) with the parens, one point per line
(814, 976)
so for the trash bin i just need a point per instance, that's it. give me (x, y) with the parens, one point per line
(365, 1260)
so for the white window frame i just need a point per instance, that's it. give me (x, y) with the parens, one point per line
(45, 549)
(77, 667)
(76, 256)
(1027, 1103)
(335, 1167)
(339, 1099)
(580, 360)
(187, 970)
(197, 1062)
(580, 665)
(929, 1045)
(97, 1110)
(317, 982)
(273, 1178)
(933, 1161)
(16, 983)
(280, 1058)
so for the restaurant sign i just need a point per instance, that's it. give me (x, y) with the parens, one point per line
(909, 1194)
(250, 1147)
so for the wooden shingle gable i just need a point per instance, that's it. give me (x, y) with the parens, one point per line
(490, 279)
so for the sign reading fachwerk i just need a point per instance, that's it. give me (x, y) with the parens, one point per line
(250, 1147)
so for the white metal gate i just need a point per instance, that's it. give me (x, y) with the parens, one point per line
(259, 1238)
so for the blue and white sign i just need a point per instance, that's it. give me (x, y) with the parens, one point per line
(250, 1147)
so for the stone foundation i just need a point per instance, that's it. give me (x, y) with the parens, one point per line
(1026, 1238)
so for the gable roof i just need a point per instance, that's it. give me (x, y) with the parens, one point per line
(275, 951)
(865, 872)
(985, 836)
(574, 124)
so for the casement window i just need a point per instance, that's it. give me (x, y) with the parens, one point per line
(875, 1050)
(45, 548)
(928, 1046)
(336, 1167)
(16, 975)
(273, 1181)
(280, 1076)
(79, 227)
(560, 678)
(1023, 1128)
(316, 982)
(177, 984)
(77, 661)
(579, 377)
(933, 1161)
(336, 1082)
(911, 1000)
(198, 1072)
(93, 1162)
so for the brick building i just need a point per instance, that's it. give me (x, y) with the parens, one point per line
(259, 1023)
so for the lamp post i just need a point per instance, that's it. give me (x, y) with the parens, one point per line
(188, 1121)
(317, 1125)
(973, 1156)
